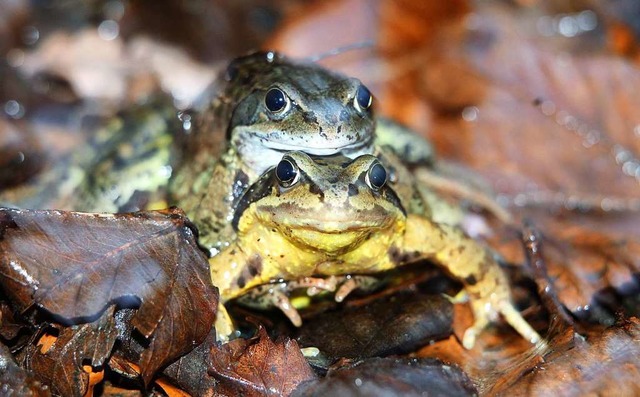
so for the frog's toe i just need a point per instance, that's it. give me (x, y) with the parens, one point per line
(283, 303)
(469, 338)
(515, 319)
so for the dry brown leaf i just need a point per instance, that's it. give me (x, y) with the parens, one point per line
(393, 325)
(15, 381)
(60, 364)
(259, 367)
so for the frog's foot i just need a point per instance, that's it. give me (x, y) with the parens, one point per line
(282, 302)
(515, 319)
(313, 284)
(224, 325)
(352, 283)
(486, 311)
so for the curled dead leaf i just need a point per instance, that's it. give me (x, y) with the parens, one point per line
(74, 265)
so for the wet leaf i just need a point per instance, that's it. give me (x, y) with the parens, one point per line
(9, 325)
(15, 381)
(393, 325)
(392, 377)
(259, 366)
(595, 273)
(605, 363)
(60, 365)
(190, 371)
(74, 265)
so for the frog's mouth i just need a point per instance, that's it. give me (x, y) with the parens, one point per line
(357, 148)
(330, 237)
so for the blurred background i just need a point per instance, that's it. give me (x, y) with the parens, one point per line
(537, 96)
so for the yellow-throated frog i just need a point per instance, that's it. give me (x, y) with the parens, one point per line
(327, 216)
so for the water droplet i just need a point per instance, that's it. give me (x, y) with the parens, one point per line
(520, 200)
(582, 130)
(592, 138)
(358, 382)
(568, 26)
(621, 154)
(561, 117)
(30, 35)
(587, 20)
(185, 117)
(108, 30)
(271, 56)
(14, 109)
(15, 57)
(571, 123)
(470, 113)
(630, 168)
(606, 204)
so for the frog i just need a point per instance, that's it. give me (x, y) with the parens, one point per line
(263, 105)
(122, 163)
(331, 216)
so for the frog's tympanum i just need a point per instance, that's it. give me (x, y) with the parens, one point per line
(333, 216)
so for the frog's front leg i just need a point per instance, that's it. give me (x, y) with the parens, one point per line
(472, 264)
(233, 271)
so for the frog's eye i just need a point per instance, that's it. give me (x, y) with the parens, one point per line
(363, 99)
(275, 100)
(377, 176)
(287, 172)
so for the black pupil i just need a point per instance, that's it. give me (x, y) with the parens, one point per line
(275, 100)
(286, 171)
(377, 176)
(363, 96)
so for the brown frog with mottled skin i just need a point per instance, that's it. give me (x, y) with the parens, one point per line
(333, 216)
